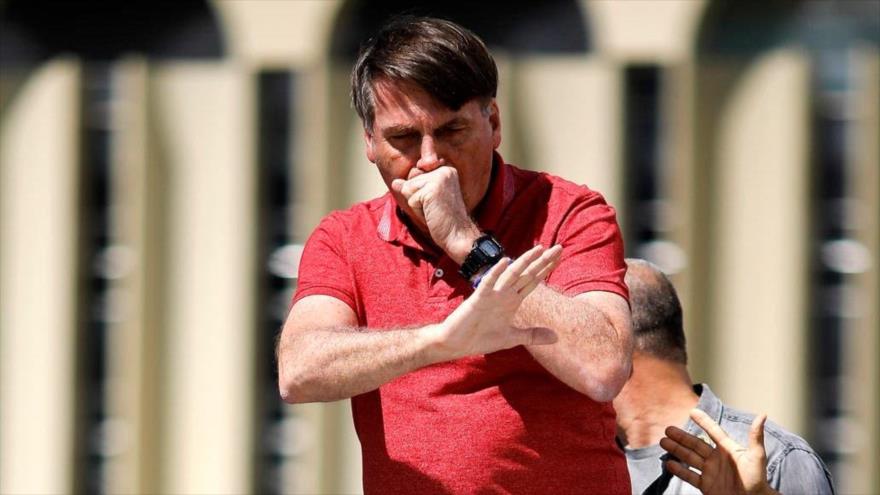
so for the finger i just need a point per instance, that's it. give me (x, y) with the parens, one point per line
(545, 272)
(411, 187)
(756, 432)
(414, 201)
(542, 275)
(714, 431)
(689, 441)
(686, 454)
(681, 471)
(513, 274)
(528, 288)
(488, 281)
(537, 271)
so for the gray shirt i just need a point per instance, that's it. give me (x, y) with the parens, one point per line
(792, 465)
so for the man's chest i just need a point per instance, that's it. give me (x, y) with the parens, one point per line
(403, 287)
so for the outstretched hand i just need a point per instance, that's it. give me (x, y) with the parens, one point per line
(727, 468)
(482, 323)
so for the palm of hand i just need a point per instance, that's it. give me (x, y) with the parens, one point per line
(733, 469)
(482, 323)
(725, 468)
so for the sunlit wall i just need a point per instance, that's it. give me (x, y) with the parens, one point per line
(161, 166)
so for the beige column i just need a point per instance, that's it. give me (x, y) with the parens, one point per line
(204, 115)
(136, 272)
(678, 183)
(649, 31)
(862, 345)
(38, 282)
(568, 112)
(760, 248)
(332, 172)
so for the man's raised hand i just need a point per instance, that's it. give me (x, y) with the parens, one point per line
(482, 323)
(727, 468)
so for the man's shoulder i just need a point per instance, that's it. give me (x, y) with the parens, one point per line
(778, 441)
(530, 181)
(355, 214)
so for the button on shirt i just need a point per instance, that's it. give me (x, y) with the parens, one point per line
(498, 422)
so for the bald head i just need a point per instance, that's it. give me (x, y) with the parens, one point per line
(656, 312)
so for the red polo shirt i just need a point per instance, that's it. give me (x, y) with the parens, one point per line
(493, 423)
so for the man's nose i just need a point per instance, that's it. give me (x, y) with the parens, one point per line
(428, 157)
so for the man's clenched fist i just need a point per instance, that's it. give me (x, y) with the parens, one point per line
(437, 204)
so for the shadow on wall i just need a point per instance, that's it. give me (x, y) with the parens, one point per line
(550, 26)
(34, 31)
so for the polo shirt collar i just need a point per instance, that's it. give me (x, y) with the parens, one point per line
(393, 228)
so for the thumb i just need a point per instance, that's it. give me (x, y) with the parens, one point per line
(536, 336)
(756, 432)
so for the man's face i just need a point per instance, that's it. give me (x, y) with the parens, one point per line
(413, 134)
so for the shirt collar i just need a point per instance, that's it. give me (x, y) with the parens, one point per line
(711, 405)
(394, 228)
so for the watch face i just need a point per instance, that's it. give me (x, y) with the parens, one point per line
(490, 249)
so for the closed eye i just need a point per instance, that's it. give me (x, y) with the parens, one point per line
(448, 131)
(402, 137)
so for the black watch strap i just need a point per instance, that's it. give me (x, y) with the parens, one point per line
(485, 252)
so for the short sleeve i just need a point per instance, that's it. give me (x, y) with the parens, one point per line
(801, 471)
(324, 268)
(592, 249)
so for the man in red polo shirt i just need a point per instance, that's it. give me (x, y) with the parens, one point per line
(505, 388)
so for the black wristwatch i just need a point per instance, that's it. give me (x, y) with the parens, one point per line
(485, 253)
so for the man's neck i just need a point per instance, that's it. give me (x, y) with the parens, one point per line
(658, 394)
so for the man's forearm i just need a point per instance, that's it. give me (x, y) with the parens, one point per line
(331, 364)
(593, 354)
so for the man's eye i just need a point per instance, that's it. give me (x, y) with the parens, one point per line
(451, 131)
(399, 138)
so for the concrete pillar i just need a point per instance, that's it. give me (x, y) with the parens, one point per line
(205, 115)
(760, 244)
(38, 282)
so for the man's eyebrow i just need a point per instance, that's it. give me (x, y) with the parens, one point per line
(402, 129)
(397, 129)
(453, 122)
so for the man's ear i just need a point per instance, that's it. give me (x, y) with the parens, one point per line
(495, 122)
(369, 146)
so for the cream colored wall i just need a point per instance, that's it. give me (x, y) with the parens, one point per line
(134, 342)
(568, 113)
(38, 274)
(277, 33)
(761, 248)
(196, 126)
(205, 114)
(648, 31)
(862, 344)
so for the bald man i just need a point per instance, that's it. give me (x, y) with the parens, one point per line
(660, 395)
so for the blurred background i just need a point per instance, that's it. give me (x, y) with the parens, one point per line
(162, 163)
